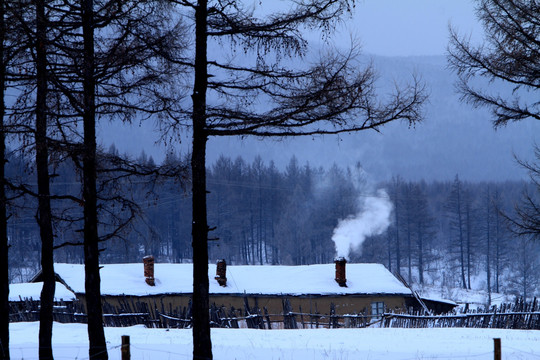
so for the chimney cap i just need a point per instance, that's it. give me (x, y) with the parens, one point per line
(340, 259)
(340, 271)
(148, 262)
(221, 272)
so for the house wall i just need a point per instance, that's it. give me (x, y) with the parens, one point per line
(343, 304)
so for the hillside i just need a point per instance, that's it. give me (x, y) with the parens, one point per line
(454, 138)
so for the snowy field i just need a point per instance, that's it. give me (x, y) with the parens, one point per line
(70, 342)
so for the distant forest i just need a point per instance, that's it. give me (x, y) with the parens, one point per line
(447, 232)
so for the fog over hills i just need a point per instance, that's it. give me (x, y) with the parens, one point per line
(453, 139)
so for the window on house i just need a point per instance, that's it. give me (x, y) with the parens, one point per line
(377, 308)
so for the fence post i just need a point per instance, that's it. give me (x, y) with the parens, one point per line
(126, 354)
(497, 350)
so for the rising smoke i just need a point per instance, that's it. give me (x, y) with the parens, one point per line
(372, 219)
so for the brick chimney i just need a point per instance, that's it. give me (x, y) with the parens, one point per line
(148, 262)
(221, 272)
(340, 271)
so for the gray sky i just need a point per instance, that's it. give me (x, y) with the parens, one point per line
(397, 27)
(410, 27)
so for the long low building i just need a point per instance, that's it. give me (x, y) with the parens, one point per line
(342, 288)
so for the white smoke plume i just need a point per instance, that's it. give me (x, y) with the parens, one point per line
(372, 219)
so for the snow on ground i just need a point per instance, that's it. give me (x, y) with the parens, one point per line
(70, 342)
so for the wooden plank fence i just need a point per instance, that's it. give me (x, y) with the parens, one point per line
(63, 311)
(520, 315)
(130, 311)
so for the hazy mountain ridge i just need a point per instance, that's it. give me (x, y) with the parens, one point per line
(454, 138)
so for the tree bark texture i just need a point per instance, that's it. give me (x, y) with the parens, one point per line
(202, 344)
(4, 247)
(96, 334)
(44, 203)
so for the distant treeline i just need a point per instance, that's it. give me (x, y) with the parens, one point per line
(451, 232)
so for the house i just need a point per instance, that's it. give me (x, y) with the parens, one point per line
(340, 289)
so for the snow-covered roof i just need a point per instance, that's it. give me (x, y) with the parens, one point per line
(128, 279)
(33, 291)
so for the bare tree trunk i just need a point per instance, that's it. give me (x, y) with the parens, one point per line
(497, 252)
(468, 220)
(253, 241)
(263, 253)
(461, 241)
(497, 200)
(396, 216)
(4, 247)
(202, 344)
(488, 250)
(96, 334)
(420, 256)
(409, 247)
(44, 216)
(389, 250)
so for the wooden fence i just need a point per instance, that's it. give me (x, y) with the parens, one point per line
(129, 312)
(63, 311)
(520, 315)
(256, 318)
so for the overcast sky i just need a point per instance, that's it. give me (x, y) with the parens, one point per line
(409, 27)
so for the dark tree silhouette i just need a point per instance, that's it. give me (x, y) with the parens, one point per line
(455, 206)
(489, 240)
(510, 53)
(44, 215)
(395, 196)
(99, 60)
(526, 221)
(239, 95)
(4, 247)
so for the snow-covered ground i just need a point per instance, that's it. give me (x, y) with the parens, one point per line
(70, 342)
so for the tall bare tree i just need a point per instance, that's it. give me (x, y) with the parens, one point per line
(44, 215)
(100, 61)
(237, 95)
(4, 247)
(510, 53)
(28, 24)
(489, 240)
(96, 335)
(455, 209)
(526, 221)
(423, 223)
(397, 184)
(501, 247)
